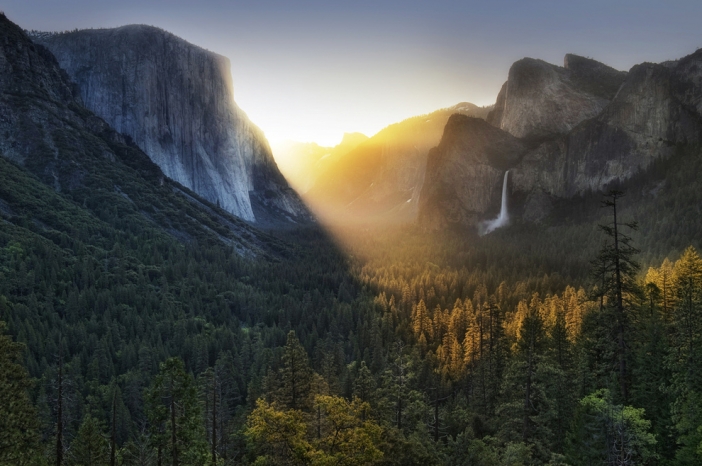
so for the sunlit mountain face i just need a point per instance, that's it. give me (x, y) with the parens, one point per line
(380, 179)
(302, 163)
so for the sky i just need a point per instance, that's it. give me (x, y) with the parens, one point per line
(309, 71)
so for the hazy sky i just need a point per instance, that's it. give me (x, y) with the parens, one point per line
(312, 70)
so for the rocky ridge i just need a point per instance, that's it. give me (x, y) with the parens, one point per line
(175, 100)
(586, 127)
(541, 100)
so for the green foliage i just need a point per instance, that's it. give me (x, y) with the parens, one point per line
(175, 415)
(338, 434)
(605, 433)
(527, 410)
(18, 418)
(295, 375)
(90, 447)
(685, 356)
(466, 451)
(277, 436)
(432, 332)
(346, 437)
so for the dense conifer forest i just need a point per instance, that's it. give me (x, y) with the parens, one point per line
(547, 344)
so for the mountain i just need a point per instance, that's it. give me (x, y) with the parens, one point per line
(464, 170)
(380, 180)
(655, 110)
(303, 162)
(541, 100)
(587, 126)
(67, 172)
(175, 101)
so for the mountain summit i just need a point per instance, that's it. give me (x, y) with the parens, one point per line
(540, 100)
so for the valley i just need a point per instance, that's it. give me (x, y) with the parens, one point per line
(167, 296)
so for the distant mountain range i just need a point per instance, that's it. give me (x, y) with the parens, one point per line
(562, 131)
(303, 163)
(380, 179)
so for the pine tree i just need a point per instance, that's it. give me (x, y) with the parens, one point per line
(686, 355)
(527, 410)
(560, 357)
(89, 448)
(617, 269)
(364, 384)
(295, 375)
(18, 418)
(422, 324)
(651, 373)
(175, 415)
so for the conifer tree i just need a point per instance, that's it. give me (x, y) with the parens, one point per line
(527, 410)
(364, 385)
(560, 352)
(617, 268)
(295, 376)
(90, 447)
(175, 416)
(18, 418)
(651, 372)
(686, 355)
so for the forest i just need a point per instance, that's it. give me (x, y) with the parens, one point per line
(576, 342)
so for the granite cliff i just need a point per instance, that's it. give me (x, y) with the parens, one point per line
(464, 172)
(655, 112)
(175, 100)
(47, 136)
(541, 100)
(585, 127)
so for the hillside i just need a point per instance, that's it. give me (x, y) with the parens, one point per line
(303, 163)
(381, 178)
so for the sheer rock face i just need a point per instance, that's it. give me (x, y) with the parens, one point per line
(175, 100)
(464, 173)
(45, 128)
(540, 100)
(656, 109)
(586, 126)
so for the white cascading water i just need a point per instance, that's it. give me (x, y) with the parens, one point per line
(503, 219)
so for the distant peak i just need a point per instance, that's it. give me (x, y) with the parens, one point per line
(579, 63)
(464, 107)
(352, 139)
(571, 58)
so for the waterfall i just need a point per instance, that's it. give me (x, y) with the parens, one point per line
(502, 219)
